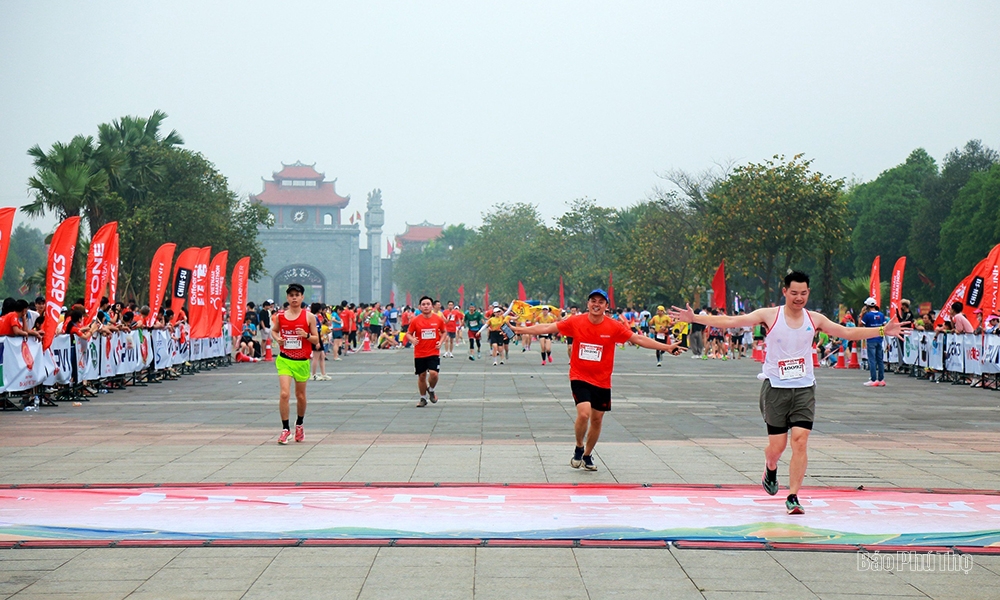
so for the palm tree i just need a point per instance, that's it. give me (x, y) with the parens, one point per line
(855, 291)
(68, 181)
(123, 153)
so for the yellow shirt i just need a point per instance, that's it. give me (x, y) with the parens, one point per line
(495, 323)
(542, 318)
(660, 323)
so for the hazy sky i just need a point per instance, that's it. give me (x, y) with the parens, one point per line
(451, 107)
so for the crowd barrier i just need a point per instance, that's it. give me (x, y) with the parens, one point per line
(71, 360)
(960, 358)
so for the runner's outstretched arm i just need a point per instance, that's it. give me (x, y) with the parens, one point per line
(891, 329)
(647, 342)
(761, 315)
(539, 329)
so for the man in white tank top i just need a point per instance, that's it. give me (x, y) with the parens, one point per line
(787, 396)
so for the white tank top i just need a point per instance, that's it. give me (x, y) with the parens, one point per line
(789, 361)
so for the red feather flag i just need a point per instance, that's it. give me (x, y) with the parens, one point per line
(182, 281)
(57, 275)
(521, 294)
(719, 287)
(896, 287)
(875, 284)
(159, 271)
(238, 304)
(98, 270)
(562, 295)
(461, 295)
(6, 224)
(486, 296)
(611, 289)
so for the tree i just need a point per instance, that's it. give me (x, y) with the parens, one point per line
(886, 207)
(68, 181)
(25, 256)
(972, 228)
(654, 264)
(507, 246)
(766, 217)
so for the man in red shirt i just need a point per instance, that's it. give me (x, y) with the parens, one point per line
(425, 332)
(452, 319)
(12, 323)
(590, 365)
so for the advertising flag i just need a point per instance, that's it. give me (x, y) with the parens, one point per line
(874, 284)
(983, 289)
(98, 271)
(159, 272)
(409, 299)
(486, 296)
(57, 275)
(113, 267)
(212, 321)
(611, 290)
(182, 281)
(719, 287)
(521, 294)
(238, 304)
(198, 298)
(562, 295)
(896, 287)
(957, 295)
(6, 224)
(461, 296)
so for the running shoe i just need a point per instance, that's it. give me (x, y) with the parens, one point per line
(881, 383)
(471, 358)
(577, 461)
(283, 438)
(422, 403)
(770, 485)
(543, 362)
(793, 507)
(501, 362)
(550, 358)
(659, 364)
(871, 384)
(494, 363)
(432, 396)
(588, 463)
(300, 433)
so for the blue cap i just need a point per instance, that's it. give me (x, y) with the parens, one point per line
(599, 292)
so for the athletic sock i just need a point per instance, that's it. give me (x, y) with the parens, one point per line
(430, 389)
(284, 424)
(298, 420)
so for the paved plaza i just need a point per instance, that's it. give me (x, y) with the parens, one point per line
(690, 421)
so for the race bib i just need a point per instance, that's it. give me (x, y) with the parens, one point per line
(792, 368)
(428, 334)
(591, 352)
(661, 336)
(473, 324)
(294, 343)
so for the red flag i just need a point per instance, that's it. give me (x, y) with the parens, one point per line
(875, 284)
(216, 281)
(97, 267)
(719, 287)
(392, 297)
(238, 304)
(159, 271)
(388, 248)
(182, 280)
(486, 296)
(896, 287)
(57, 275)
(112, 266)
(198, 311)
(924, 278)
(461, 295)
(521, 294)
(6, 224)
(611, 290)
(562, 295)
(409, 299)
(983, 288)
(352, 219)
(957, 295)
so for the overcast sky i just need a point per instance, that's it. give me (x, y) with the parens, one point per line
(451, 107)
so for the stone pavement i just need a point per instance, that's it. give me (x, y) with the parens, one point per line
(688, 422)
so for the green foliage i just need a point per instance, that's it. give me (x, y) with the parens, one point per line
(157, 191)
(25, 256)
(854, 291)
(973, 227)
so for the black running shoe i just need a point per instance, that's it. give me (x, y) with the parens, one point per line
(770, 485)
(422, 403)
(588, 463)
(432, 396)
(793, 507)
(577, 461)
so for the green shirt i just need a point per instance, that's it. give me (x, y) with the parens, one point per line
(473, 320)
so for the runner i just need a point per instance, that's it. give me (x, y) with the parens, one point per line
(426, 332)
(473, 321)
(660, 326)
(595, 337)
(545, 339)
(318, 359)
(294, 330)
(494, 324)
(788, 394)
(350, 326)
(452, 319)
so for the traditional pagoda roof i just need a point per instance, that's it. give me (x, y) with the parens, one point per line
(299, 170)
(422, 233)
(300, 185)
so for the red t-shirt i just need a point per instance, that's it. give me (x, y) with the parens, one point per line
(347, 316)
(593, 356)
(425, 333)
(7, 323)
(452, 319)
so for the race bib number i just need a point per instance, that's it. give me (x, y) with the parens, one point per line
(661, 336)
(473, 324)
(294, 343)
(792, 368)
(591, 352)
(428, 334)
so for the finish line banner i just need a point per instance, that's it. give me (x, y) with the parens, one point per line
(524, 512)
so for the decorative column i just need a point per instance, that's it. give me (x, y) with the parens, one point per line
(374, 219)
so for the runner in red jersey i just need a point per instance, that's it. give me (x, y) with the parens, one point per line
(294, 330)
(590, 365)
(453, 318)
(426, 332)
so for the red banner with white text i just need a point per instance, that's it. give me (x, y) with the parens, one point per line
(57, 275)
(159, 273)
(181, 288)
(216, 295)
(238, 304)
(875, 284)
(198, 298)
(896, 287)
(6, 224)
(97, 268)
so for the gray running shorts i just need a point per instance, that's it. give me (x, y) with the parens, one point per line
(783, 408)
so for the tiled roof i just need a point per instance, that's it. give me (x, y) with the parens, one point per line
(298, 171)
(323, 194)
(423, 232)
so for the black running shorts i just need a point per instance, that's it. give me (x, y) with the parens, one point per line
(599, 398)
(427, 363)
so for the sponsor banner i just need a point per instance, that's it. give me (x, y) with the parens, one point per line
(23, 364)
(911, 347)
(990, 361)
(529, 512)
(972, 353)
(58, 361)
(954, 354)
(88, 359)
(162, 352)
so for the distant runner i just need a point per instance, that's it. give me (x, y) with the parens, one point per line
(473, 322)
(426, 332)
(294, 330)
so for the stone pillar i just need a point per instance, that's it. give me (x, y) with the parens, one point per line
(374, 219)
